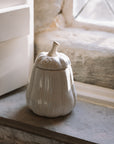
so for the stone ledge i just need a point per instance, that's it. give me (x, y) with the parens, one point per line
(91, 53)
(22, 133)
(86, 123)
(95, 94)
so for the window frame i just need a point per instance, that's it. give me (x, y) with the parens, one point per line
(72, 22)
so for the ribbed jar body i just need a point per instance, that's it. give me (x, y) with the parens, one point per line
(51, 93)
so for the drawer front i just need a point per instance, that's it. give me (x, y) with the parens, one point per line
(14, 22)
(14, 64)
(9, 3)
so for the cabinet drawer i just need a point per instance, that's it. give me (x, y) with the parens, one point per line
(14, 22)
(14, 64)
(9, 3)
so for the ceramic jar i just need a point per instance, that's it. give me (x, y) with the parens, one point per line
(51, 91)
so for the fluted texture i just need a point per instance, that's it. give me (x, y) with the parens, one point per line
(51, 93)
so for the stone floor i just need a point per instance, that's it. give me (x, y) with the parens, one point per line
(87, 121)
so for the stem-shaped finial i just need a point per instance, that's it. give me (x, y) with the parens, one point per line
(53, 51)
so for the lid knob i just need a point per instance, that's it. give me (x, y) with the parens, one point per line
(53, 51)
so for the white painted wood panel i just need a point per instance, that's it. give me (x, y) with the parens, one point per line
(14, 22)
(16, 44)
(9, 3)
(14, 64)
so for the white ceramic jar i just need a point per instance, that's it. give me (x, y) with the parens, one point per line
(51, 91)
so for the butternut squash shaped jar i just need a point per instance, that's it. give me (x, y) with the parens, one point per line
(51, 91)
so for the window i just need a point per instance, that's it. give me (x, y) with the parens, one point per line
(94, 11)
(91, 32)
(90, 14)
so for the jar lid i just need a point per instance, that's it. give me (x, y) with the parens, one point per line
(52, 60)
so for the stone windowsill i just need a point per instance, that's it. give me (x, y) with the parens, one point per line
(86, 124)
(91, 53)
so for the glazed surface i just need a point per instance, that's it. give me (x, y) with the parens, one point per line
(51, 93)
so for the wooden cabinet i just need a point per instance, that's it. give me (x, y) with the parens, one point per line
(16, 43)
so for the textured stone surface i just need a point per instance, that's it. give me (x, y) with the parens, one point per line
(14, 136)
(87, 121)
(45, 12)
(91, 53)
